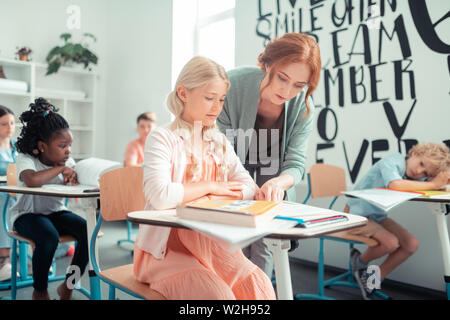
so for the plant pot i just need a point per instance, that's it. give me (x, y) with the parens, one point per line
(23, 57)
(2, 74)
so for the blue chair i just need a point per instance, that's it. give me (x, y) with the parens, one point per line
(24, 280)
(120, 193)
(329, 181)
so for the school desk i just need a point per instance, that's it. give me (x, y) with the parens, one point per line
(440, 207)
(90, 205)
(278, 243)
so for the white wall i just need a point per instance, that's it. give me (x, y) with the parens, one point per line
(139, 67)
(38, 24)
(134, 50)
(356, 122)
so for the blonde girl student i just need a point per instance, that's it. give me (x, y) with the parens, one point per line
(8, 155)
(44, 149)
(184, 161)
(426, 167)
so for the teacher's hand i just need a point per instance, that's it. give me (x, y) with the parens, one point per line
(270, 191)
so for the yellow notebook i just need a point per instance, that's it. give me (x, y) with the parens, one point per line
(246, 213)
(424, 193)
(431, 193)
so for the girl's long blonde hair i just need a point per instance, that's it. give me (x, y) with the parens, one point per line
(198, 72)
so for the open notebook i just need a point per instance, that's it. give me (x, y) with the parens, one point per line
(89, 172)
(384, 199)
(235, 237)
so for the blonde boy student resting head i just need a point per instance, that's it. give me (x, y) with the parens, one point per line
(8, 153)
(134, 153)
(186, 160)
(426, 167)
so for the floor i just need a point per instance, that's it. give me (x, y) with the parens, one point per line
(304, 275)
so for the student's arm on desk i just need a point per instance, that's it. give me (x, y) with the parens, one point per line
(33, 178)
(237, 172)
(214, 197)
(209, 190)
(435, 183)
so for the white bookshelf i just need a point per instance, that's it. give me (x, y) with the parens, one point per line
(71, 90)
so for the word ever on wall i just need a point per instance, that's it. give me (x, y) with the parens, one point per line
(385, 73)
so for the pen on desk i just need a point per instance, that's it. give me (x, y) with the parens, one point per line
(290, 219)
(91, 190)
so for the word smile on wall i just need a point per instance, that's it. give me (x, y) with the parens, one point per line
(370, 63)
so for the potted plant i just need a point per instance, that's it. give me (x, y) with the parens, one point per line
(71, 53)
(2, 73)
(24, 53)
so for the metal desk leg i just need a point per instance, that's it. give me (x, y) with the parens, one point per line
(90, 206)
(279, 249)
(441, 210)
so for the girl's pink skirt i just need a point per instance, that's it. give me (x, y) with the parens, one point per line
(197, 268)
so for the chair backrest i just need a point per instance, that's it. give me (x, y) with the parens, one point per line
(326, 180)
(121, 191)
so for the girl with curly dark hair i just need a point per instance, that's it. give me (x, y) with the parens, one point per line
(44, 148)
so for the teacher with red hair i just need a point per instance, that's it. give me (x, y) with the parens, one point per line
(268, 115)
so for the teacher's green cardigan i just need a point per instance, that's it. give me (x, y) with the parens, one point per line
(239, 112)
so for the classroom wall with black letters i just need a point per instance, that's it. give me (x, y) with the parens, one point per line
(385, 85)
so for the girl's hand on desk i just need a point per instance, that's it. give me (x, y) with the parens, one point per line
(70, 176)
(232, 189)
(214, 197)
(259, 195)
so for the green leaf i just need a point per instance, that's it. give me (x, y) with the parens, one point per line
(90, 56)
(90, 35)
(53, 67)
(76, 52)
(78, 48)
(55, 51)
(68, 49)
(65, 36)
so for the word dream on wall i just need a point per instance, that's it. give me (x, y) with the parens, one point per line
(368, 45)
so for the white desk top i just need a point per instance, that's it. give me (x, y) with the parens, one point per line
(168, 218)
(50, 192)
(441, 199)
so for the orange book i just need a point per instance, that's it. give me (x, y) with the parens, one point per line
(424, 193)
(401, 190)
(245, 213)
(432, 193)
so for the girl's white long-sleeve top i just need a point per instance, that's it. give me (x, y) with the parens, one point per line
(164, 168)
